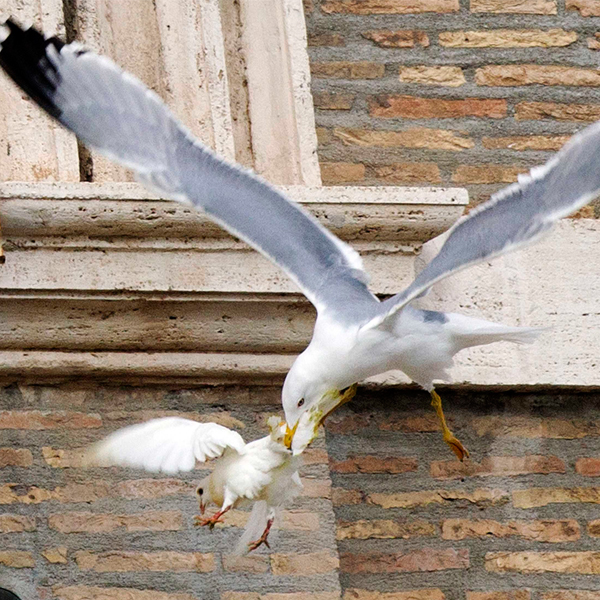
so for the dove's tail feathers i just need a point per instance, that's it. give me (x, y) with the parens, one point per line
(259, 517)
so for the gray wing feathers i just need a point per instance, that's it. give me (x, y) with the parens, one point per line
(514, 216)
(114, 113)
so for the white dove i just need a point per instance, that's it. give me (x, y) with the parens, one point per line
(262, 472)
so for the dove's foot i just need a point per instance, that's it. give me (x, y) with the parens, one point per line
(210, 522)
(262, 539)
(455, 445)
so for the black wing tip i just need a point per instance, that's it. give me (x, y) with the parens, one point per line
(23, 55)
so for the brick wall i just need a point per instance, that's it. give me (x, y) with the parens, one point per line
(450, 92)
(384, 500)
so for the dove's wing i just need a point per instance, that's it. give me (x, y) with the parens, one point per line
(169, 445)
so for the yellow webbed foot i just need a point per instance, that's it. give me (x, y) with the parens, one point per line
(450, 439)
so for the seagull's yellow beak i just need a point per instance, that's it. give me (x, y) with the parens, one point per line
(289, 435)
(343, 396)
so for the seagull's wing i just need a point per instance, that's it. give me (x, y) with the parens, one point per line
(514, 216)
(170, 445)
(117, 115)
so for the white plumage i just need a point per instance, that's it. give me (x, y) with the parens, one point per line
(262, 472)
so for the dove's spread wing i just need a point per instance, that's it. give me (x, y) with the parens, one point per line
(169, 445)
(117, 115)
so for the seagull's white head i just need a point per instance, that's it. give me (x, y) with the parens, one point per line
(306, 403)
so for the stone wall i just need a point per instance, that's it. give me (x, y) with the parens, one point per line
(387, 512)
(458, 92)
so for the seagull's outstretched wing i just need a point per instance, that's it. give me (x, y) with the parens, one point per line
(117, 115)
(170, 445)
(514, 216)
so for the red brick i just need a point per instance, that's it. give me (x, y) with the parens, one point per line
(409, 173)
(415, 137)
(534, 427)
(416, 424)
(527, 142)
(254, 563)
(64, 458)
(35, 419)
(15, 457)
(84, 592)
(326, 39)
(414, 107)
(401, 38)
(554, 110)
(585, 563)
(589, 467)
(388, 7)
(506, 595)
(534, 7)
(346, 423)
(341, 497)
(342, 172)
(314, 563)
(16, 523)
(12, 493)
(347, 70)
(118, 562)
(487, 173)
(426, 559)
(587, 8)
(421, 594)
(374, 464)
(88, 522)
(536, 497)
(384, 529)
(531, 74)
(594, 528)
(569, 595)
(316, 488)
(479, 497)
(508, 38)
(333, 100)
(498, 466)
(548, 530)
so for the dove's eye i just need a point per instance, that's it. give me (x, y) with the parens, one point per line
(199, 491)
(300, 402)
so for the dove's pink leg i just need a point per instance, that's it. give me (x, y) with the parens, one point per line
(213, 520)
(262, 539)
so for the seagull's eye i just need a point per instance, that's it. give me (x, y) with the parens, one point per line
(300, 402)
(199, 491)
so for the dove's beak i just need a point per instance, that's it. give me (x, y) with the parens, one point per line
(289, 435)
(202, 507)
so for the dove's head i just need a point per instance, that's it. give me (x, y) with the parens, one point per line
(307, 402)
(203, 493)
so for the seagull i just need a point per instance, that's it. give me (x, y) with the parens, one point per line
(356, 335)
(263, 472)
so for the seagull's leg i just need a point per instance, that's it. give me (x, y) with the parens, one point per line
(265, 534)
(456, 447)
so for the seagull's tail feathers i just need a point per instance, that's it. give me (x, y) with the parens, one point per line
(468, 332)
(260, 515)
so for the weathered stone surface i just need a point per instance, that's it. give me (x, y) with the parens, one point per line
(409, 173)
(498, 466)
(56, 555)
(326, 39)
(16, 523)
(60, 458)
(536, 497)
(569, 595)
(480, 497)
(586, 563)
(487, 174)
(427, 559)
(347, 70)
(15, 457)
(417, 137)
(153, 488)
(537, 7)
(508, 38)
(558, 111)
(541, 531)
(253, 563)
(506, 595)
(531, 74)
(587, 8)
(413, 107)
(526, 142)
(88, 522)
(594, 528)
(446, 76)
(401, 38)
(383, 529)
(117, 562)
(17, 559)
(10, 493)
(304, 564)
(588, 467)
(383, 7)
(594, 43)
